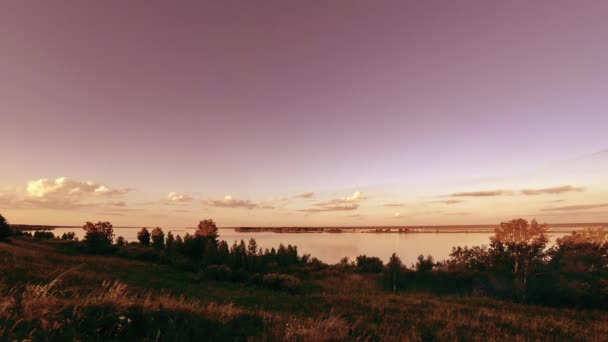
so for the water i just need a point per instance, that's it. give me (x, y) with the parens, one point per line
(331, 247)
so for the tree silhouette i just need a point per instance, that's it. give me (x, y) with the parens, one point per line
(207, 229)
(158, 238)
(144, 237)
(5, 229)
(394, 269)
(98, 236)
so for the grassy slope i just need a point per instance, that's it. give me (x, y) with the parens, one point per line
(334, 305)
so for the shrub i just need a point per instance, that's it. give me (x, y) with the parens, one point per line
(218, 273)
(425, 264)
(68, 236)
(278, 281)
(43, 235)
(369, 264)
(120, 241)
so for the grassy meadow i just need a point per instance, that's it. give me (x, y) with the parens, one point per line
(51, 291)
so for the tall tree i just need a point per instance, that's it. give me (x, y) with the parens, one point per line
(521, 246)
(5, 229)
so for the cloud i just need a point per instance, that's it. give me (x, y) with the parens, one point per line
(229, 202)
(354, 215)
(488, 193)
(448, 202)
(553, 191)
(462, 213)
(393, 205)
(306, 195)
(65, 188)
(338, 204)
(65, 193)
(397, 215)
(577, 207)
(178, 198)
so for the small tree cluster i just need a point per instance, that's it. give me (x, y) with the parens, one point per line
(99, 236)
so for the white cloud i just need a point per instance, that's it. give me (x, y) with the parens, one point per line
(66, 193)
(176, 197)
(229, 202)
(346, 203)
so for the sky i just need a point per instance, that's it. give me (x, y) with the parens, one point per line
(309, 113)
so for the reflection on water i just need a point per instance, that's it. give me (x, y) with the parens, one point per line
(330, 248)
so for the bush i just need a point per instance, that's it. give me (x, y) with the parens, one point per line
(68, 236)
(284, 282)
(99, 236)
(43, 235)
(369, 264)
(218, 273)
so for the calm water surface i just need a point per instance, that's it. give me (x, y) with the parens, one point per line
(331, 247)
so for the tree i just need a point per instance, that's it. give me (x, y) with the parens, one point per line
(144, 237)
(158, 238)
(425, 264)
(580, 263)
(520, 246)
(252, 248)
(207, 229)
(120, 241)
(369, 264)
(99, 236)
(170, 240)
(5, 229)
(394, 269)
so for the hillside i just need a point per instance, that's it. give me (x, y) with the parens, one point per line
(51, 292)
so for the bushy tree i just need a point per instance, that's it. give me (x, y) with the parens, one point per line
(580, 264)
(120, 241)
(207, 229)
(144, 237)
(519, 246)
(158, 238)
(369, 264)
(474, 259)
(68, 236)
(99, 236)
(425, 264)
(5, 229)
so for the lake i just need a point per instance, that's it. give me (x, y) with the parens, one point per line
(331, 247)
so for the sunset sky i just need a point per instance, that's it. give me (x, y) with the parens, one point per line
(303, 113)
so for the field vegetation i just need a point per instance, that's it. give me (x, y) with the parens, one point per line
(198, 287)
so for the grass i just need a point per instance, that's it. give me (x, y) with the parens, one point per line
(50, 292)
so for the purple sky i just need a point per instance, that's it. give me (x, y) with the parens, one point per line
(402, 101)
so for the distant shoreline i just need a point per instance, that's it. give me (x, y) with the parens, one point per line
(464, 229)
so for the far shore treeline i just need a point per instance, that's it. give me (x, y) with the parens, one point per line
(517, 265)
